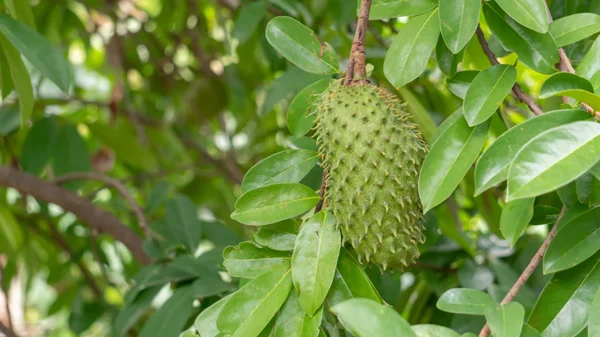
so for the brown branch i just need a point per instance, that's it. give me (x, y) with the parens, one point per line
(357, 60)
(137, 209)
(322, 191)
(535, 261)
(517, 91)
(7, 331)
(95, 217)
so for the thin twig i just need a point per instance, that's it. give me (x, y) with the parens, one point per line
(517, 91)
(7, 331)
(357, 61)
(137, 209)
(4, 288)
(529, 270)
(322, 192)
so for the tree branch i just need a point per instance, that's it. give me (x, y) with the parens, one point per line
(517, 91)
(7, 331)
(357, 61)
(137, 209)
(535, 261)
(95, 217)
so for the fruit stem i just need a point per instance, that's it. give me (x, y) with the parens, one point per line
(357, 60)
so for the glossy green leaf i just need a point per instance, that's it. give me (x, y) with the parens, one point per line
(446, 60)
(544, 214)
(458, 22)
(430, 330)
(70, 152)
(571, 85)
(515, 217)
(9, 119)
(6, 82)
(314, 260)
(505, 320)
(409, 53)
(38, 51)
(492, 167)
(279, 236)
(460, 82)
(20, 78)
(487, 92)
(269, 204)
(288, 166)
(464, 301)
(39, 145)
(573, 28)
(350, 281)
(388, 9)
(583, 187)
(449, 160)
(132, 312)
(589, 65)
(290, 83)
(575, 243)
(446, 124)
(564, 305)
(250, 309)
(170, 319)
(206, 322)
(183, 221)
(529, 13)
(248, 19)
(528, 331)
(158, 195)
(301, 46)
(594, 317)
(293, 322)
(366, 318)
(248, 261)
(553, 159)
(537, 51)
(302, 112)
(21, 10)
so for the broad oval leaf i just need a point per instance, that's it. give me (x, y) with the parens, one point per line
(574, 243)
(38, 51)
(388, 9)
(366, 318)
(301, 46)
(594, 319)
(460, 82)
(408, 55)
(206, 322)
(170, 319)
(553, 159)
(273, 203)
(571, 85)
(10, 119)
(70, 153)
(20, 78)
(492, 167)
(279, 236)
(464, 301)
(528, 331)
(39, 145)
(133, 311)
(572, 28)
(449, 160)
(182, 217)
(430, 330)
(487, 91)
(458, 22)
(293, 322)
(537, 51)
(350, 281)
(248, 311)
(314, 260)
(248, 19)
(563, 306)
(302, 112)
(21, 10)
(529, 13)
(505, 320)
(446, 60)
(514, 219)
(589, 65)
(248, 261)
(288, 166)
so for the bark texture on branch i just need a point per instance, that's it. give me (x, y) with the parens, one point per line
(357, 64)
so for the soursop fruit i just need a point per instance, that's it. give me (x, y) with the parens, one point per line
(372, 153)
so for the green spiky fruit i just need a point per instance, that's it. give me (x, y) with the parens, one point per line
(372, 153)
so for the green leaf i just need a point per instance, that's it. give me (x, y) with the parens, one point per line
(170, 319)
(571, 85)
(248, 261)
(301, 46)
(39, 145)
(553, 159)
(514, 219)
(291, 82)
(366, 318)
(505, 320)
(207, 286)
(288, 166)
(158, 195)
(528, 331)
(544, 214)
(492, 167)
(409, 53)
(20, 78)
(269, 204)
(21, 11)
(206, 322)
(6, 82)
(594, 317)
(446, 60)
(38, 51)
(574, 243)
(183, 221)
(564, 305)
(458, 22)
(314, 260)
(449, 160)
(583, 186)
(279, 236)
(133, 311)
(472, 275)
(464, 301)
(461, 81)
(12, 233)
(248, 19)
(487, 92)
(70, 152)
(573, 28)
(447, 123)
(529, 13)
(419, 113)
(537, 51)
(350, 281)
(388, 9)
(589, 65)
(9, 119)
(430, 330)
(302, 112)
(249, 310)
(293, 322)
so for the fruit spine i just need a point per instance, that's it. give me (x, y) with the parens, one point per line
(372, 153)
